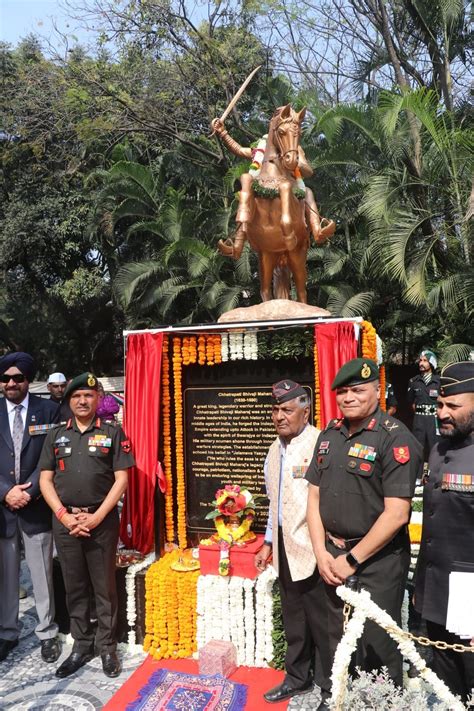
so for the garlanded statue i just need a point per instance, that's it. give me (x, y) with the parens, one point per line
(233, 515)
(276, 210)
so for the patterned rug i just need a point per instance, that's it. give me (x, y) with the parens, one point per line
(173, 691)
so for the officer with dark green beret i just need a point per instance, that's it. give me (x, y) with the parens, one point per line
(447, 543)
(84, 466)
(362, 477)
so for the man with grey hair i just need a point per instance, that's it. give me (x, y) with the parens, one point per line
(287, 537)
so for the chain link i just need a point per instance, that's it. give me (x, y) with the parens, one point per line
(424, 641)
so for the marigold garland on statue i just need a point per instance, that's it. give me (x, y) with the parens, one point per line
(166, 417)
(179, 443)
(370, 350)
(170, 610)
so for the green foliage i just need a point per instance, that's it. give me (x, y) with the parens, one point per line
(290, 345)
(278, 633)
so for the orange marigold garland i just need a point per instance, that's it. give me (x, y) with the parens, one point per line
(369, 350)
(166, 417)
(317, 386)
(383, 387)
(201, 349)
(170, 609)
(179, 443)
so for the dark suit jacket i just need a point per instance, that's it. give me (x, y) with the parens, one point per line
(35, 516)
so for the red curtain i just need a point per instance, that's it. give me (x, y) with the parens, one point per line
(336, 344)
(142, 426)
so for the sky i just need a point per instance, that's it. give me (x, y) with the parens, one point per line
(18, 18)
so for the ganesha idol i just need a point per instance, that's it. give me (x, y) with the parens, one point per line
(233, 515)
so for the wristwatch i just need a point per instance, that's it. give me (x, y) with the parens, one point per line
(352, 560)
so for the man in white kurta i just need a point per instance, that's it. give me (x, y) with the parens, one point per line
(287, 538)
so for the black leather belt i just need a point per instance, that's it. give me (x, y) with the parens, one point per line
(82, 509)
(342, 543)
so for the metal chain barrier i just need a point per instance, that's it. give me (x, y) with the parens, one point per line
(424, 641)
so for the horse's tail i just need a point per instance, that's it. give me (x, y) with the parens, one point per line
(281, 278)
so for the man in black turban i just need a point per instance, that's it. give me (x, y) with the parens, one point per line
(447, 543)
(24, 421)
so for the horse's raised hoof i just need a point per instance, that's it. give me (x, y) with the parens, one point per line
(226, 247)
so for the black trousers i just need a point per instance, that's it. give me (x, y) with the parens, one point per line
(88, 566)
(424, 429)
(384, 576)
(301, 611)
(456, 669)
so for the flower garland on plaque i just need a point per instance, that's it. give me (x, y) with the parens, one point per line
(233, 515)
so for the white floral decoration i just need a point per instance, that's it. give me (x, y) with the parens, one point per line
(131, 599)
(224, 347)
(365, 608)
(240, 610)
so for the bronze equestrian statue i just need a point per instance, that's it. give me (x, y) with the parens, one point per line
(276, 210)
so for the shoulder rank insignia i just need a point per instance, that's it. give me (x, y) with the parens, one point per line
(401, 454)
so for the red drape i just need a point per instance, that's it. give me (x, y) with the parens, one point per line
(142, 426)
(336, 343)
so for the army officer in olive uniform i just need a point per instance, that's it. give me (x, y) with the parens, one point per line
(362, 478)
(84, 473)
(447, 543)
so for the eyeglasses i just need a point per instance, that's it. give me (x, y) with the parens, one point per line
(17, 378)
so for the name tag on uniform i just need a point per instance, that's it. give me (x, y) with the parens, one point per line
(458, 482)
(40, 429)
(363, 451)
(298, 472)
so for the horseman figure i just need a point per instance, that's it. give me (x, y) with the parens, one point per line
(276, 210)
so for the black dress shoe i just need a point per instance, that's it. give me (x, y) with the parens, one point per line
(6, 646)
(324, 705)
(74, 662)
(50, 649)
(283, 691)
(111, 664)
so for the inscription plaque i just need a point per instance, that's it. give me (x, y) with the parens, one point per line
(228, 431)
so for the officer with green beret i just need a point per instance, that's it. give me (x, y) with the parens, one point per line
(447, 543)
(362, 477)
(84, 466)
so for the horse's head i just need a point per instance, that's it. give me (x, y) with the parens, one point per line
(286, 124)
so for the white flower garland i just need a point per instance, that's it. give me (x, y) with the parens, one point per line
(236, 348)
(364, 608)
(240, 610)
(131, 599)
(224, 347)
(379, 348)
(250, 345)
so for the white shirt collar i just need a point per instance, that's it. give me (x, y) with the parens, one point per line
(11, 405)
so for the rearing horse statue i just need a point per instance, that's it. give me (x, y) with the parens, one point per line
(276, 211)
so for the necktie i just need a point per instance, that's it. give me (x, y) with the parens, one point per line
(17, 439)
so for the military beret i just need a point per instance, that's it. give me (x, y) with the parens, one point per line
(430, 357)
(457, 378)
(355, 372)
(85, 381)
(23, 361)
(286, 390)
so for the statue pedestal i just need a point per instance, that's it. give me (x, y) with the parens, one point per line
(274, 310)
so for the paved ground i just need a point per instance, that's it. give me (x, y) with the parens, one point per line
(29, 684)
